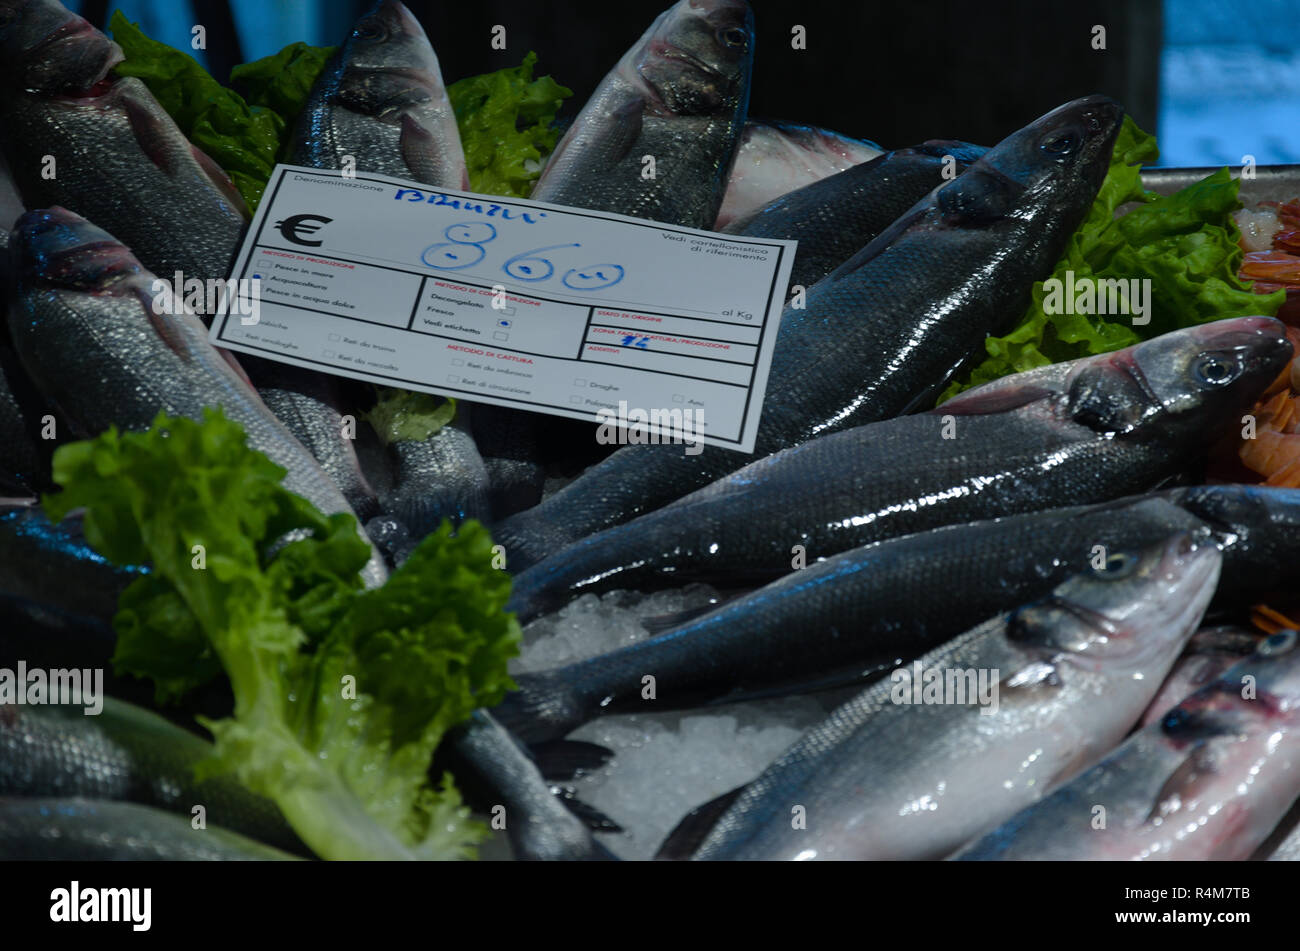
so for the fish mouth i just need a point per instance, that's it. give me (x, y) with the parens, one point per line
(663, 50)
(72, 30)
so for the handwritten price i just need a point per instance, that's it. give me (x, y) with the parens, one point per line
(464, 248)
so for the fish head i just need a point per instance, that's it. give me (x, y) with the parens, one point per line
(696, 59)
(56, 249)
(1129, 610)
(1066, 152)
(1181, 387)
(46, 48)
(388, 63)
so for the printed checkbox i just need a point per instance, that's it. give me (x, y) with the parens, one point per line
(458, 363)
(334, 338)
(328, 354)
(508, 311)
(678, 398)
(453, 379)
(575, 399)
(499, 335)
(263, 264)
(579, 382)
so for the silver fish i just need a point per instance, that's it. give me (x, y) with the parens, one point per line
(898, 773)
(679, 97)
(1208, 782)
(85, 325)
(79, 829)
(381, 102)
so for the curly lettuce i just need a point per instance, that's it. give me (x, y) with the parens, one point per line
(341, 693)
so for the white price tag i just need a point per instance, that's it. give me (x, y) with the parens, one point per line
(518, 303)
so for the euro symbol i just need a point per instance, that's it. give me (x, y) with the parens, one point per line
(295, 225)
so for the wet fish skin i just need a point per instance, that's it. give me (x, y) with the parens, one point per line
(882, 334)
(509, 442)
(130, 754)
(1097, 428)
(76, 282)
(1209, 653)
(846, 619)
(440, 477)
(1208, 782)
(119, 158)
(775, 158)
(679, 94)
(381, 100)
(24, 468)
(79, 829)
(881, 779)
(539, 825)
(52, 563)
(834, 218)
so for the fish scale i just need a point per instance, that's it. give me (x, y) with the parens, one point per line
(883, 333)
(866, 792)
(845, 619)
(1064, 434)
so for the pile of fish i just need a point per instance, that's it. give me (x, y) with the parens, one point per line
(1025, 598)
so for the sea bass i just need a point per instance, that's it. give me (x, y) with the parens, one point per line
(834, 218)
(117, 157)
(88, 830)
(911, 770)
(1209, 653)
(657, 138)
(1208, 782)
(848, 618)
(1086, 431)
(881, 334)
(86, 328)
(775, 158)
(381, 102)
(127, 753)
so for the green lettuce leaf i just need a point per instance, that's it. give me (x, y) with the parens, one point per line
(505, 120)
(244, 137)
(341, 694)
(1185, 244)
(402, 415)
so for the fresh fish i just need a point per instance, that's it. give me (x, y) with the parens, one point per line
(538, 823)
(127, 753)
(51, 563)
(118, 157)
(1086, 431)
(381, 101)
(80, 830)
(1284, 843)
(1022, 702)
(442, 476)
(775, 158)
(846, 619)
(1209, 653)
(880, 335)
(126, 363)
(310, 406)
(381, 104)
(11, 202)
(1208, 782)
(835, 217)
(509, 442)
(678, 97)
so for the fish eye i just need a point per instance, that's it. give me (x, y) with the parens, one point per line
(370, 30)
(1279, 643)
(1118, 565)
(1216, 369)
(1062, 143)
(734, 37)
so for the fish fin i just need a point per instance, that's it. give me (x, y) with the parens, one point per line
(695, 826)
(999, 399)
(625, 129)
(420, 151)
(150, 131)
(1178, 786)
(591, 817)
(880, 243)
(562, 760)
